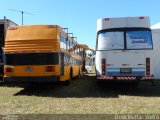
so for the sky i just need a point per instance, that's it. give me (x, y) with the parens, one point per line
(79, 16)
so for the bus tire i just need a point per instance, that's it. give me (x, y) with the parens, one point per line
(80, 74)
(71, 74)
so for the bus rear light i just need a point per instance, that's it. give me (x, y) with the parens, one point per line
(103, 66)
(106, 19)
(141, 18)
(147, 66)
(9, 69)
(50, 68)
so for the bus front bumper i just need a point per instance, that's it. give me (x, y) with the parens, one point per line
(31, 79)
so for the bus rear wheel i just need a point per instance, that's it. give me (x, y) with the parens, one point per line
(80, 74)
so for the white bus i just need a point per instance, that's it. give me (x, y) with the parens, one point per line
(156, 55)
(123, 49)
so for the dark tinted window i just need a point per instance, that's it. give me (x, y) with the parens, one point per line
(31, 59)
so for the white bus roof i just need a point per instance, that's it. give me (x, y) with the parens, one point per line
(123, 22)
(156, 30)
(155, 26)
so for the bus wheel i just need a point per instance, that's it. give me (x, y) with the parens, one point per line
(80, 74)
(71, 74)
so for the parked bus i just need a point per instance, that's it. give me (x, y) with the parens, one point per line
(155, 55)
(40, 53)
(4, 24)
(123, 50)
(83, 48)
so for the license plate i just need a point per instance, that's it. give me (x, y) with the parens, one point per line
(29, 69)
(126, 70)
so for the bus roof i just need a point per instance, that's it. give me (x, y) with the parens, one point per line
(156, 30)
(123, 22)
(2, 21)
(84, 46)
(34, 38)
(156, 26)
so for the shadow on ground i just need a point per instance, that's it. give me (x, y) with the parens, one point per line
(86, 87)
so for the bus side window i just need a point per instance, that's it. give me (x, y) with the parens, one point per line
(66, 44)
(62, 42)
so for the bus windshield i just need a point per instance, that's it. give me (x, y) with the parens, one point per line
(120, 40)
(138, 40)
(111, 40)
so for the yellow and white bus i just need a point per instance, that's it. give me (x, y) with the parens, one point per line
(40, 53)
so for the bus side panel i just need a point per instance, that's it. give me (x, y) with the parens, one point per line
(155, 56)
(98, 58)
(76, 70)
(66, 75)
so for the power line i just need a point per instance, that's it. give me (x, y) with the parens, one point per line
(22, 12)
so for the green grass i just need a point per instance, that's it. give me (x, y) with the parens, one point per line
(83, 96)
